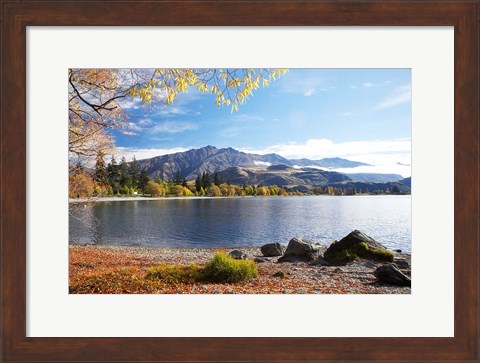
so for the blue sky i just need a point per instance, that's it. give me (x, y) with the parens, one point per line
(358, 114)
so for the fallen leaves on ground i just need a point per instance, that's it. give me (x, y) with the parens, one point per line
(122, 270)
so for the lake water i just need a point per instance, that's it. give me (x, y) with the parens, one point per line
(231, 222)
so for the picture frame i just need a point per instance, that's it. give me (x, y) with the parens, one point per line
(17, 16)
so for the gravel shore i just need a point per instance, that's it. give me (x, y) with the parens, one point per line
(120, 269)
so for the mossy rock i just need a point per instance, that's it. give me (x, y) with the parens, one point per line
(357, 245)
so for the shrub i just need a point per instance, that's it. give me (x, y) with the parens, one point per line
(223, 268)
(154, 189)
(279, 274)
(175, 273)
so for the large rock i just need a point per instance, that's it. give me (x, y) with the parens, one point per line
(320, 261)
(401, 263)
(300, 250)
(238, 255)
(357, 245)
(390, 274)
(272, 249)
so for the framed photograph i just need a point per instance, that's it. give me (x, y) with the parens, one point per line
(222, 181)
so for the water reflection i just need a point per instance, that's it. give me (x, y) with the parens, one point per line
(230, 222)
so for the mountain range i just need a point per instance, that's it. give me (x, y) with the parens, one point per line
(209, 159)
(253, 169)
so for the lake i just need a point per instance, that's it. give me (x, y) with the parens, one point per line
(232, 222)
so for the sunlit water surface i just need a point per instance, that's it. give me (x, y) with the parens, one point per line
(230, 222)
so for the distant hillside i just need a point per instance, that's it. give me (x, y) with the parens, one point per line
(209, 159)
(281, 175)
(406, 181)
(328, 163)
(374, 177)
(372, 188)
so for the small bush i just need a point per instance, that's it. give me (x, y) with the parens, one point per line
(175, 273)
(279, 274)
(223, 268)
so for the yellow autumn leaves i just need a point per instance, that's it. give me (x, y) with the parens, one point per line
(231, 87)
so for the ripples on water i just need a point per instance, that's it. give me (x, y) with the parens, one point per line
(230, 222)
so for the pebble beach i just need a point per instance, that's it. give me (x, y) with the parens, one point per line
(97, 269)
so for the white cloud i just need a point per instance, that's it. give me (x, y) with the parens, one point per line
(130, 133)
(173, 127)
(229, 132)
(310, 92)
(245, 118)
(132, 126)
(168, 110)
(307, 86)
(145, 122)
(139, 153)
(383, 155)
(369, 84)
(262, 163)
(399, 95)
(404, 171)
(128, 104)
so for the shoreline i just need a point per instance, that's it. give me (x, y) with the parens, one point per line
(248, 248)
(134, 199)
(121, 269)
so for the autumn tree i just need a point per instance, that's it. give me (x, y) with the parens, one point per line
(97, 96)
(214, 191)
(154, 189)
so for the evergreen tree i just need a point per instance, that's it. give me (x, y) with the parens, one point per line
(100, 176)
(184, 182)
(178, 178)
(125, 180)
(143, 179)
(112, 171)
(217, 180)
(134, 173)
(206, 180)
(198, 184)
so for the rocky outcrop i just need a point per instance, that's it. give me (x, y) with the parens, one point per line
(390, 274)
(300, 250)
(238, 255)
(272, 249)
(357, 245)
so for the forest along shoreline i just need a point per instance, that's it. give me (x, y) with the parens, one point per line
(356, 264)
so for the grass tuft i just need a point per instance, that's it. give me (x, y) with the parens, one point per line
(223, 268)
(362, 250)
(279, 274)
(175, 273)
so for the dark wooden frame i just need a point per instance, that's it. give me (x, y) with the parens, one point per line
(17, 15)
